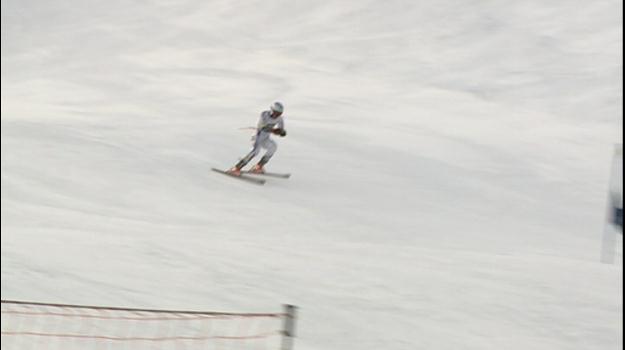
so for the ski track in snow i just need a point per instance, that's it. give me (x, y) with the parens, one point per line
(450, 164)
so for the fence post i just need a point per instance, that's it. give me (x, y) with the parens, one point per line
(288, 332)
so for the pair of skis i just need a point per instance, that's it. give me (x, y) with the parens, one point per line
(251, 177)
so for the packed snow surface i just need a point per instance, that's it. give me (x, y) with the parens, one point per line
(450, 165)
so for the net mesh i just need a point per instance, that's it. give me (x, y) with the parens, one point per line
(52, 326)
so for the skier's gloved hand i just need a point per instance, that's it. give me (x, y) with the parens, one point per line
(280, 132)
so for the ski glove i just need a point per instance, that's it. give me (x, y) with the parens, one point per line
(280, 132)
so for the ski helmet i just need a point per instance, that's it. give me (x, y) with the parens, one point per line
(277, 107)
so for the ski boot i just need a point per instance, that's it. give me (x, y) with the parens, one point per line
(258, 169)
(236, 171)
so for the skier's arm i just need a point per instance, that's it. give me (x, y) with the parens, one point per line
(279, 130)
(261, 126)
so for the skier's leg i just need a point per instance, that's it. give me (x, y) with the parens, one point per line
(271, 148)
(253, 153)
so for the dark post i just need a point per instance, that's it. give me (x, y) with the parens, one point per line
(288, 332)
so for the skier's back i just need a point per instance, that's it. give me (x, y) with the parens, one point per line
(270, 122)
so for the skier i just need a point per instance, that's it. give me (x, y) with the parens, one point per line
(270, 122)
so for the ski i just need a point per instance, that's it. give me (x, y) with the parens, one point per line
(279, 175)
(240, 177)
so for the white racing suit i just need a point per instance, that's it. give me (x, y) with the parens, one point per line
(262, 139)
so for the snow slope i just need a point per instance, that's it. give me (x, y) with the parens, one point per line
(450, 163)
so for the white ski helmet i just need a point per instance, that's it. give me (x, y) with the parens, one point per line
(277, 107)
